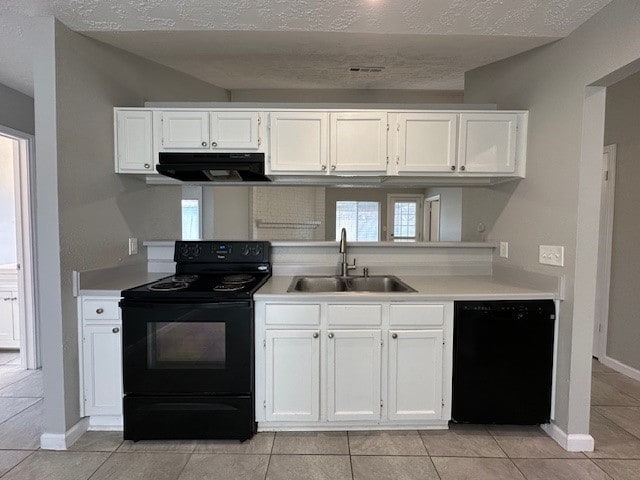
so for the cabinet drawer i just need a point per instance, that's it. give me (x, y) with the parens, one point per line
(287, 314)
(369, 315)
(98, 309)
(416, 315)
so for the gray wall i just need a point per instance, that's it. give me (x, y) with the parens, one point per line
(543, 209)
(348, 96)
(96, 210)
(621, 127)
(450, 212)
(16, 110)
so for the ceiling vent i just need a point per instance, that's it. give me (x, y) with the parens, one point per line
(366, 69)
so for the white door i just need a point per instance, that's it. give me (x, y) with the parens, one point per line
(298, 142)
(134, 142)
(185, 130)
(7, 320)
(415, 374)
(426, 142)
(404, 218)
(432, 219)
(353, 374)
(235, 130)
(359, 142)
(293, 375)
(102, 370)
(487, 142)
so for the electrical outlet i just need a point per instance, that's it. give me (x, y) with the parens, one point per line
(133, 246)
(504, 249)
(551, 255)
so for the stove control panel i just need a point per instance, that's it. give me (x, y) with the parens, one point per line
(221, 252)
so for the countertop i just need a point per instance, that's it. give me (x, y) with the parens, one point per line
(112, 285)
(429, 288)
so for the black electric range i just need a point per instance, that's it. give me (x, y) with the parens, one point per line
(188, 344)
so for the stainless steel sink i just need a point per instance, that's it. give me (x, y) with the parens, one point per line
(386, 284)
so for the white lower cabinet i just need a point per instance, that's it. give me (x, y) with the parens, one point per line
(9, 319)
(102, 357)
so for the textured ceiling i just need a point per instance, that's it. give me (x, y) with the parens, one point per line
(504, 25)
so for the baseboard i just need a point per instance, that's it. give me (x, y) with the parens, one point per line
(62, 441)
(573, 442)
(621, 367)
(106, 423)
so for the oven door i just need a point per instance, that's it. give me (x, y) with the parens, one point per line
(187, 348)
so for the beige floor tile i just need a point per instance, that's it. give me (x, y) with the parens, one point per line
(97, 442)
(311, 443)
(177, 446)
(12, 406)
(604, 394)
(142, 466)
(621, 469)
(224, 467)
(460, 443)
(10, 374)
(625, 417)
(451, 468)
(611, 441)
(309, 467)
(10, 458)
(57, 466)
(393, 467)
(22, 432)
(560, 469)
(30, 386)
(516, 431)
(8, 356)
(386, 443)
(596, 366)
(534, 447)
(259, 443)
(626, 385)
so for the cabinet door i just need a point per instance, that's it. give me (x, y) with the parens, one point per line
(427, 142)
(293, 375)
(298, 142)
(185, 130)
(134, 142)
(359, 142)
(415, 374)
(353, 374)
(487, 142)
(102, 352)
(7, 335)
(235, 130)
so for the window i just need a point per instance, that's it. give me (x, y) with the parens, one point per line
(190, 220)
(361, 219)
(405, 218)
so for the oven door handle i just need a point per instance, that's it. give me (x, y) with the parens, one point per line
(164, 305)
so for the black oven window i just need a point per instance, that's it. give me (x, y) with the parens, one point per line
(186, 345)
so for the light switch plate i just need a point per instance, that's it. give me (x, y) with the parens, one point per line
(133, 246)
(551, 255)
(504, 249)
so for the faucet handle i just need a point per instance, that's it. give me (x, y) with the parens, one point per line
(352, 267)
(365, 272)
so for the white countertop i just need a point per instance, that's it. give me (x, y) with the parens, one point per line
(429, 288)
(112, 285)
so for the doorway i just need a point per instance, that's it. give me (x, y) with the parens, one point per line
(18, 329)
(432, 219)
(404, 218)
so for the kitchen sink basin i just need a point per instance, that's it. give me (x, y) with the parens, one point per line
(386, 284)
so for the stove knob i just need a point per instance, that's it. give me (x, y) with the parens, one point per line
(246, 251)
(196, 251)
(257, 251)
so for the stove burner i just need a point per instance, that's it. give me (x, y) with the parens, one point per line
(168, 286)
(238, 279)
(185, 278)
(228, 287)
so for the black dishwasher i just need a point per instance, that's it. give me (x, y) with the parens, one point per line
(503, 362)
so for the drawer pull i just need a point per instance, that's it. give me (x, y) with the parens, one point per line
(100, 311)
(115, 329)
(331, 335)
(315, 334)
(394, 335)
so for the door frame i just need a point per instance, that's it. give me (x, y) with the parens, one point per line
(601, 324)
(24, 166)
(419, 199)
(428, 215)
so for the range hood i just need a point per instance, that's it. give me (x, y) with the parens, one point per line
(213, 167)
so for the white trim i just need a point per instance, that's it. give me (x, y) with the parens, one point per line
(62, 441)
(620, 367)
(106, 423)
(573, 442)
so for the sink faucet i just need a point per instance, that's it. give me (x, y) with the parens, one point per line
(344, 265)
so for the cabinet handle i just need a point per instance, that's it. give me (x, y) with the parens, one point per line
(315, 334)
(6, 299)
(462, 168)
(14, 298)
(204, 144)
(100, 311)
(324, 168)
(394, 335)
(453, 167)
(146, 165)
(214, 144)
(333, 167)
(331, 335)
(115, 329)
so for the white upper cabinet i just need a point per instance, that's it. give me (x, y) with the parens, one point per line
(298, 142)
(235, 130)
(488, 142)
(134, 141)
(358, 142)
(426, 142)
(188, 130)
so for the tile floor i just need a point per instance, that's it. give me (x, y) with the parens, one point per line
(464, 452)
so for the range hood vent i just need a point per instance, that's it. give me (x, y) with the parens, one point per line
(213, 167)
